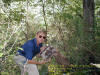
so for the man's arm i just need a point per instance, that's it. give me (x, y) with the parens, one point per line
(35, 62)
(41, 62)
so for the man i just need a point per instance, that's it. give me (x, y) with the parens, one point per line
(25, 58)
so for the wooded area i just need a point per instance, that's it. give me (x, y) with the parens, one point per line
(73, 27)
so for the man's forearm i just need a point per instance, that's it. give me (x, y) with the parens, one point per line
(33, 62)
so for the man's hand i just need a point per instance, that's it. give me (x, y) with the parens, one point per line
(43, 62)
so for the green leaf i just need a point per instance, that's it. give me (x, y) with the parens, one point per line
(1, 54)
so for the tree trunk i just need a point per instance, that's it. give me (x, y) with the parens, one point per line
(88, 13)
(88, 28)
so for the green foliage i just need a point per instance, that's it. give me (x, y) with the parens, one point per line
(7, 1)
(43, 70)
(19, 23)
(1, 54)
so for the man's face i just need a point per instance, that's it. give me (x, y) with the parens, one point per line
(40, 37)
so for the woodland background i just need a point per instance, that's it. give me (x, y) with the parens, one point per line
(73, 27)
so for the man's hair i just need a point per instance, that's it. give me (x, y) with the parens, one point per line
(42, 31)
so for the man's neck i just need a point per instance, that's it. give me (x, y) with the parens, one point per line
(37, 43)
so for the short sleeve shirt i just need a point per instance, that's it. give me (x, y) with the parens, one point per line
(30, 49)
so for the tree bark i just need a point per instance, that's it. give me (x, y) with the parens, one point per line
(88, 28)
(44, 16)
(88, 13)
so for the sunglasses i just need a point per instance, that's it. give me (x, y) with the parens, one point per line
(42, 36)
